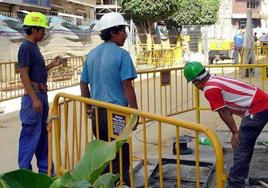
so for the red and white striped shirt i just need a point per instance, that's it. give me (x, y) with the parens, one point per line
(241, 98)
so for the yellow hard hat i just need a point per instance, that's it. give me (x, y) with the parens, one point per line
(35, 19)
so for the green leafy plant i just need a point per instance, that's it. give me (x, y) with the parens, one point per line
(145, 12)
(86, 174)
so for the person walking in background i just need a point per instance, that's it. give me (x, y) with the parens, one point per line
(238, 45)
(109, 71)
(230, 97)
(255, 37)
(34, 103)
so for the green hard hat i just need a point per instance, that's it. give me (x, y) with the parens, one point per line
(35, 19)
(192, 69)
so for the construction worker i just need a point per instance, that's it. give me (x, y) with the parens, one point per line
(238, 45)
(230, 97)
(34, 103)
(109, 71)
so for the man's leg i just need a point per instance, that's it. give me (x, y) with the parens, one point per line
(42, 147)
(249, 131)
(102, 125)
(42, 150)
(28, 141)
(30, 133)
(235, 56)
(125, 163)
(103, 135)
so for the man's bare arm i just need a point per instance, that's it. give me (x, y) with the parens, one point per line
(84, 89)
(130, 94)
(228, 119)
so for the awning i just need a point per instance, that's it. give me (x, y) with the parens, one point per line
(244, 16)
(70, 15)
(82, 3)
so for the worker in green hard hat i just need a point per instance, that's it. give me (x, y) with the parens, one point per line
(229, 97)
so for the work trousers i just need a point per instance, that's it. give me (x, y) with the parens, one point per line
(33, 137)
(250, 129)
(103, 135)
(236, 53)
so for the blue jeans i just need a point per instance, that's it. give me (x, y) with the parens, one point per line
(33, 137)
(249, 131)
(237, 51)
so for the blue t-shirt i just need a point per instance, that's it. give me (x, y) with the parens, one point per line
(105, 68)
(30, 55)
(238, 40)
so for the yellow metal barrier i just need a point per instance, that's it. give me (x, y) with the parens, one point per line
(66, 75)
(261, 52)
(158, 55)
(72, 131)
(255, 74)
(164, 91)
(69, 75)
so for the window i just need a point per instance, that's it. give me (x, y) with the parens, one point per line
(242, 23)
(252, 4)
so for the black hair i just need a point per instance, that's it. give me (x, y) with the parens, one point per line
(28, 29)
(202, 72)
(106, 34)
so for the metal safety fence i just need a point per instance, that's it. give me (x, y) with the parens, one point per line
(164, 88)
(156, 85)
(164, 91)
(66, 75)
(261, 52)
(158, 55)
(70, 130)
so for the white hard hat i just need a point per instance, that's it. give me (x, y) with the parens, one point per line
(110, 20)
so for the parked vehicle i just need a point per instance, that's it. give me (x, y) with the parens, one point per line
(220, 50)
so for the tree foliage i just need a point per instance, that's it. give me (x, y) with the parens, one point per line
(195, 12)
(176, 12)
(146, 12)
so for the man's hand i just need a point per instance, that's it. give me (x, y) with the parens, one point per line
(136, 124)
(37, 105)
(57, 61)
(90, 112)
(235, 140)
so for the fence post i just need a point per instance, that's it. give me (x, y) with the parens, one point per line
(196, 104)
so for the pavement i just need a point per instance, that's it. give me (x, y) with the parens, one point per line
(10, 126)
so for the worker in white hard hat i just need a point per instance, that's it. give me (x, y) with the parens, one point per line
(109, 71)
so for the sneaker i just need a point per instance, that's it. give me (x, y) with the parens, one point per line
(123, 186)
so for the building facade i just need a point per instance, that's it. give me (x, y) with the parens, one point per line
(239, 13)
(77, 10)
(233, 16)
